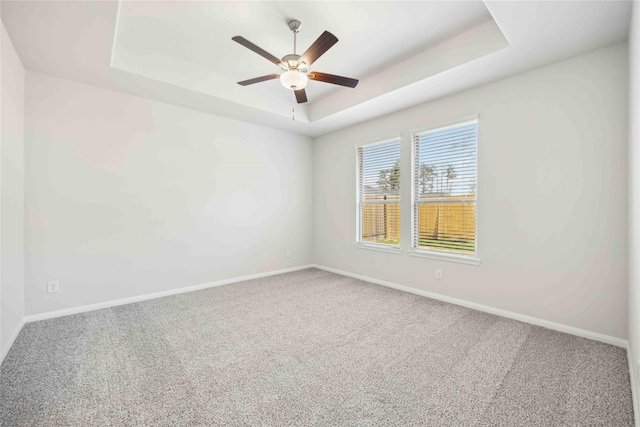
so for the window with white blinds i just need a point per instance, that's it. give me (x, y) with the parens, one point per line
(378, 218)
(445, 172)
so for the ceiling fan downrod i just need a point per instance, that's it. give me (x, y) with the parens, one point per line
(294, 26)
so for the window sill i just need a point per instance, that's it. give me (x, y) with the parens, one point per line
(463, 259)
(380, 248)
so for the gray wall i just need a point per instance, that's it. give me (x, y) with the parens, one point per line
(552, 195)
(12, 192)
(127, 196)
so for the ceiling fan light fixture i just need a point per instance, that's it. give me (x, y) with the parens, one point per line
(294, 79)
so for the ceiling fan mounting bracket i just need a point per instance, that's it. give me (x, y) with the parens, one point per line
(294, 25)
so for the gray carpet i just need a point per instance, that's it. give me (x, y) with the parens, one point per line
(307, 348)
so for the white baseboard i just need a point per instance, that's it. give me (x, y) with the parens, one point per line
(123, 301)
(15, 334)
(619, 342)
(607, 339)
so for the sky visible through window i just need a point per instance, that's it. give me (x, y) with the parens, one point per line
(447, 161)
(380, 162)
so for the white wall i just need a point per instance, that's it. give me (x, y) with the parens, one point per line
(552, 195)
(634, 194)
(12, 192)
(127, 196)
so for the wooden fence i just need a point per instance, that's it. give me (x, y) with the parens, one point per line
(381, 223)
(447, 221)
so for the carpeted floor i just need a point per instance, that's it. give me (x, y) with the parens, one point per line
(307, 348)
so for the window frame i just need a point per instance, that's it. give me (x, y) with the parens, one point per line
(359, 243)
(443, 255)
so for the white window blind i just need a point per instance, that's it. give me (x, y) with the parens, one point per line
(445, 174)
(378, 218)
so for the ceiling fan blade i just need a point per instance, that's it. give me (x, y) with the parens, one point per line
(330, 78)
(258, 79)
(319, 47)
(301, 96)
(246, 43)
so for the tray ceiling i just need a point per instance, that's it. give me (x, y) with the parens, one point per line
(403, 53)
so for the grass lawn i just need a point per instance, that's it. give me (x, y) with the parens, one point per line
(452, 245)
(381, 241)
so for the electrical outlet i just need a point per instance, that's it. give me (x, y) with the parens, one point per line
(438, 273)
(53, 286)
(289, 253)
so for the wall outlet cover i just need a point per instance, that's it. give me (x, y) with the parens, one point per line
(53, 286)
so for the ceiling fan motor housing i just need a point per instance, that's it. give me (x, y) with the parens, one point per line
(292, 62)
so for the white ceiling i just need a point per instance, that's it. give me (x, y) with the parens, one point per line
(403, 53)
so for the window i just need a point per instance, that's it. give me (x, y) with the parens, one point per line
(378, 217)
(445, 190)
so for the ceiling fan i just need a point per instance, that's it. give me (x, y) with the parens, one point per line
(295, 74)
